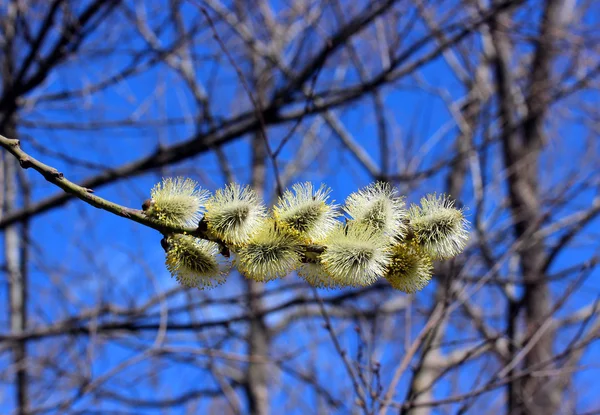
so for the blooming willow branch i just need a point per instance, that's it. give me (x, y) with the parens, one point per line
(305, 232)
(57, 178)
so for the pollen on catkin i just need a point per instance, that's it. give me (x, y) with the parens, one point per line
(177, 202)
(355, 255)
(379, 207)
(314, 274)
(305, 212)
(234, 213)
(195, 262)
(439, 227)
(410, 268)
(271, 253)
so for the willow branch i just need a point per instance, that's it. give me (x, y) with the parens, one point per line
(57, 178)
(85, 194)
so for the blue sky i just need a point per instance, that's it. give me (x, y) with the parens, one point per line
(86, 256)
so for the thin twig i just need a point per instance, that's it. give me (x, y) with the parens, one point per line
(338, 347)
(256, 104)
(57, 178)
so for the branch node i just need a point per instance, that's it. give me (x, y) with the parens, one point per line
(24, 162)
(50, 175)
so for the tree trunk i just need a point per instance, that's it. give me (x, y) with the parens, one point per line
(258, 336)
(14, 244)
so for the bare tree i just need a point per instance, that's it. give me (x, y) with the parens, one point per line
(494, 103)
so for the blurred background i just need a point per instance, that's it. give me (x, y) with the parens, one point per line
(495, 102)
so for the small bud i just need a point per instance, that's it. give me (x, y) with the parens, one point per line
(176, 202)
(270, 254)
(410, 268)
(147, 204)
(164, 242)
(234, 214)
(305, 212)
(379, 207)
(355, 255)
(195, 262)
(439, 228)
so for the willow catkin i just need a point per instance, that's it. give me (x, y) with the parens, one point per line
(410, 268)
(195, 262)
(379, 207)
(355, 255)
(271, 253)
(439, 227)
(304, 211)
(177, 202)
(234, 214)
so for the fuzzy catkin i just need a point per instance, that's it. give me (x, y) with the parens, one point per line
(302, 233)
(410, 268)
(194, 262)
(439, 227)
(355, 255)
(314, 274)
(270, 254)
(379, 208)
(305, 212)
(234, 214)
(177, 202)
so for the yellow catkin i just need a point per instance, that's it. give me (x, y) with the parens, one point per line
(270, 254)
(234, 214)
(440, 229)
(305, 212)
(355, 255)
(410, 268)
(177, 202)
(195, 262)
(379, 207)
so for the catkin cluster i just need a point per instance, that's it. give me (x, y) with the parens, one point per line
(373, 235)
